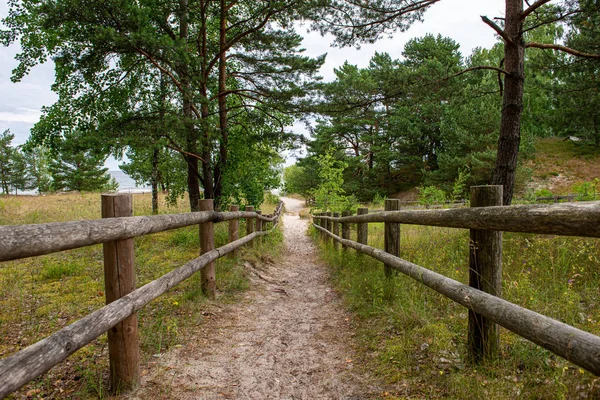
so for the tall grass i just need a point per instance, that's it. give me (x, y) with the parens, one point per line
(40, 295)
(416, 339)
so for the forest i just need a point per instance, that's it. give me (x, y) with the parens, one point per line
(198, 97)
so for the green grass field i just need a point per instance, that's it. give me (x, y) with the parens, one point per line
(40, 295)
(415, 339)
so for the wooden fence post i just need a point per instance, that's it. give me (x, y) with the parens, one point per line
(346, 229)
(259, 228)
(207, 243)
(119, 280)
(249, 221)
(392, 234)
(234, 228)
(362, 228)
(336, 231)
(328, 226)
(485, 274)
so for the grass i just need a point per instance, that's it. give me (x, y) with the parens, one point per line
(41, 295)
(415, 339)
(560, 164)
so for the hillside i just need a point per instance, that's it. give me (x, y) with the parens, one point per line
(559, 164)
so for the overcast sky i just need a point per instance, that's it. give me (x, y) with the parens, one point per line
(20, 103)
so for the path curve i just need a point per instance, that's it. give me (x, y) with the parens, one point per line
(289, 338)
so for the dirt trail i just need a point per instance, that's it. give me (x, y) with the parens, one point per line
(289, 338)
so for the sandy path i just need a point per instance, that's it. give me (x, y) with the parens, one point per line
(288, 339)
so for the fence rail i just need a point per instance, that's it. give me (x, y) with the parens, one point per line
(569, 219)
(484, 301)
(29, 363)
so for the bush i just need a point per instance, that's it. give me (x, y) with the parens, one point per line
(430, 195)
(586, 191)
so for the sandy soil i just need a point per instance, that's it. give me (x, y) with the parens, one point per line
(289, 338)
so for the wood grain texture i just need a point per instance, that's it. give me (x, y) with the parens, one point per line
(485, 274)
(119, 281)
(207, 243)
(233, 229)
(362, 228)
(391, 234)
(336, 230)
(568, 219)
(345, 228)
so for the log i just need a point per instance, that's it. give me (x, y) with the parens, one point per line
(391, 235)
(362, 228)
(328, 226)
(21, 241)
(345, 228)
(568, 219)
(119, 280)
(485, 274)
(336, 230)
(259, 227)
(250, 220)
(29, 363)
(207, 243)
(577, 346)
(233, 229)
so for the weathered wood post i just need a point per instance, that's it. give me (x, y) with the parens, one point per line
(207, 243)
(362, 228)
(119, 280)
(328, 226)
(485, 274)
(346, 229)
(249, 221)
(336, 231)
(320, 223)
(392, 234)
(234, 228)
(259, 228)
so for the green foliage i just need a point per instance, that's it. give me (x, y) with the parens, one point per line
(460, 187)
(378, 200)
(587, 191)
(6, 160)
(430, 195)
(329, 194)
(298, 179)
(78, 166)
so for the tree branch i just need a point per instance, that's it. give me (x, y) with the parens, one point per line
(533, 7)
(498, 30)
(565, 49)
(477, 68)
(169, 74)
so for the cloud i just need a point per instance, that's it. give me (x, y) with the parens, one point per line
(27, 115)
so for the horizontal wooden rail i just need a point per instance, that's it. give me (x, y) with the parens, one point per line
(577, 346)
(21, 241)
(25, 365)
(570, 219)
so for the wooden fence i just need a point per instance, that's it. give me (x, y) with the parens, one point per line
(486, 219)
(117, 230)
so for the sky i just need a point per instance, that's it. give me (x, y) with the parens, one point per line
(21, 103)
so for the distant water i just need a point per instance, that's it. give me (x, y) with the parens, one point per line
(126, 184)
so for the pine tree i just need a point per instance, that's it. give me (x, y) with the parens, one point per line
(6, 160)
(77, 166)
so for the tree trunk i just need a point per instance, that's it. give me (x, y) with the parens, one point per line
(512, 102)
(223, 123)
(154, 180)
(190, 131)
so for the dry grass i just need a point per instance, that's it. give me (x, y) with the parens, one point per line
(415, 339)
(559, 165)
(40, 295)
